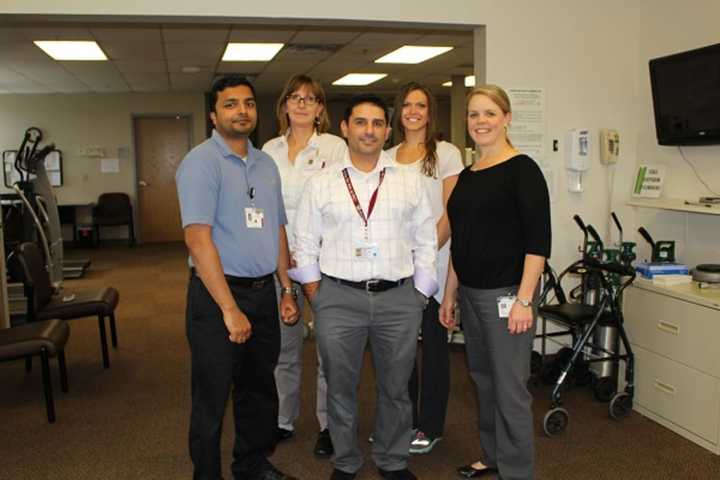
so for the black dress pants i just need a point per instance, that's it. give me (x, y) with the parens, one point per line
(219, 365)
(429, 385)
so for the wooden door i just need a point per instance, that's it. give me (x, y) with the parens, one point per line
(160, 145)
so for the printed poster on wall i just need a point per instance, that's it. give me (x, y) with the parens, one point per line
(527, 128)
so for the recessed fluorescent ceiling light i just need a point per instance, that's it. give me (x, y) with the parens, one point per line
(412, 54)
(469, 82)
(359, 78)
(72, 50)
(251, 52)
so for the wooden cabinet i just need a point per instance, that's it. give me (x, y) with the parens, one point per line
(675, 333)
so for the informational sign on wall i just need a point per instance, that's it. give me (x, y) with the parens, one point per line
(649, 181)
(527, 128)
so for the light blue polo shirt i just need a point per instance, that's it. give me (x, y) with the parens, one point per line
(213, 184)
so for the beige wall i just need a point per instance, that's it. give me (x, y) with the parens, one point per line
(590, 57)
(73, 122)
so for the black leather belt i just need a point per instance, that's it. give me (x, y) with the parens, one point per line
(370, 285)
(252, 283)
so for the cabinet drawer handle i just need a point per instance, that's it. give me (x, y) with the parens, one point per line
(668, 328)
(665, 388)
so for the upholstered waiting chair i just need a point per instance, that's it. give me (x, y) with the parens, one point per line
(42, 304)
(45, 339)
(114, 209)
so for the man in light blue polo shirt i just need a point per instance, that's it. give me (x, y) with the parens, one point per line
(234, 221)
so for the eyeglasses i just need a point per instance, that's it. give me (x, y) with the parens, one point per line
(307, 100)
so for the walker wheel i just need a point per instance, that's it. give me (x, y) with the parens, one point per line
(604, 389)
(620, 405)
(555, 421)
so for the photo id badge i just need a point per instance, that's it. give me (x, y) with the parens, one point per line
(505, 304)
(367, 250)
(254, 217)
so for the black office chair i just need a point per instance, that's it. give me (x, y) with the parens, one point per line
(114, 209)
(44, 339)
(43, 304)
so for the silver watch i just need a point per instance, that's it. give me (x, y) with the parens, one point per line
(524, 303)
(289, 291)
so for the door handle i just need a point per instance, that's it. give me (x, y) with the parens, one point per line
(143, 183)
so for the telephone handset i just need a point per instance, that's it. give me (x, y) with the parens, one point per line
(609, 146)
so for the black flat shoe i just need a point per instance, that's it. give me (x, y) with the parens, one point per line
(283, 434)
(403, 474)
(323, 446)
(468, 471)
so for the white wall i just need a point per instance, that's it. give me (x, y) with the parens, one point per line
(590, 57)
(675, 29)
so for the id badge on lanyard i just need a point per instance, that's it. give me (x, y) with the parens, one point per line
(364, 249)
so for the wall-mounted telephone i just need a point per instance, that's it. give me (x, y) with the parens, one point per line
(577, 157)
(609, 146)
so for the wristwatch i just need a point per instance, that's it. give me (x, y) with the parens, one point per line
(524, 303)
(289, 291)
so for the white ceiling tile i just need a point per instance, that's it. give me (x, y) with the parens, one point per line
(195, 51)
(325, 37)
(205, 35)
(24, 87)
(146, 66)
(46, 71)
(144, 77)
(141, 50)
(386, 39)
(124, 34)
(9, 75)
(100, 86)
(190, 82)
(150, 87)
(24, 50)
(68, 86)
(12, 34)
(175, 66)
(296, 55)
(241, 67)
(270, 35)
(99, 76)
(57, 33)
(90, 68)
(446, 39)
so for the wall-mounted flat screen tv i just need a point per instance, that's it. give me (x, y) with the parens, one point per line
(686, 97)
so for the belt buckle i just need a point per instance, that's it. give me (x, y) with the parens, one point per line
(369, 284)
(257, 284)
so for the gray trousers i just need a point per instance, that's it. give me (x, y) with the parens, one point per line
(289, 371)
(346, 319)
(499, 364)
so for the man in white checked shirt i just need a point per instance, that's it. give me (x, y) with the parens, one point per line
(366, 249)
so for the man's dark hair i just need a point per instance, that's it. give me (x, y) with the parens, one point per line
(366, 98)
(225, 82)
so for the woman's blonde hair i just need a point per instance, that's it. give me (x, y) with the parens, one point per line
(429, 163)
(497, 95)
(296, 82)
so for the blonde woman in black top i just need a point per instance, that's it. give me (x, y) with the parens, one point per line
(499, 215)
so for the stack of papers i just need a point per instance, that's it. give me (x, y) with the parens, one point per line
(667, 280)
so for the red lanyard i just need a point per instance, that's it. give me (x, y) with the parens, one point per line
(355, 200)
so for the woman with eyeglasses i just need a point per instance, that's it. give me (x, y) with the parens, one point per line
(302, 149)
(439, 164)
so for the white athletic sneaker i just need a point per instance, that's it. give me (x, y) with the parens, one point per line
(422, 443)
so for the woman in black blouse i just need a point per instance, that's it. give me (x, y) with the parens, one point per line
(499, 216)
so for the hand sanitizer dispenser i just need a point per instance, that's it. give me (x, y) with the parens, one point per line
(577, 157)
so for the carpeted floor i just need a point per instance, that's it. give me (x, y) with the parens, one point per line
(130, 422)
